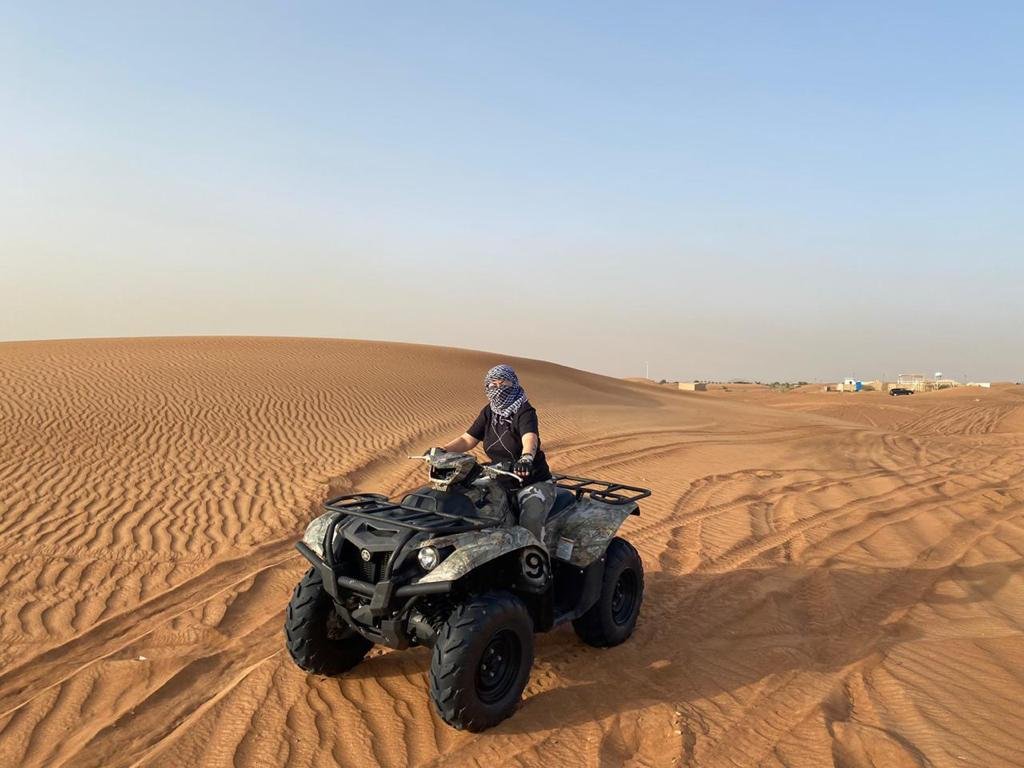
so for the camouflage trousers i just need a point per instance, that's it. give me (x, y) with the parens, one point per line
(535, 502)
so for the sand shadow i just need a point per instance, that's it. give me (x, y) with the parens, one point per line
(701, 635)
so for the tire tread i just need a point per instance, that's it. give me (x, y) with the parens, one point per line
(595, 626)
(454, 703)
(310, 648)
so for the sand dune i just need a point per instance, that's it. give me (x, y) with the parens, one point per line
(832, 579)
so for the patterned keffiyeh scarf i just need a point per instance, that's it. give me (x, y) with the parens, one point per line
(505, 401)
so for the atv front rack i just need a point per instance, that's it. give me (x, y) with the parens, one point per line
(599, 490)
(379, 509)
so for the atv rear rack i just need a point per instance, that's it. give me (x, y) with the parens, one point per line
(599, 490)
(378, 508)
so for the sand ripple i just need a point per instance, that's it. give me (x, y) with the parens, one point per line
(831, 581)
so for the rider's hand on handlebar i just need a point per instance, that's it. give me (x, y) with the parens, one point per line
(524, 466)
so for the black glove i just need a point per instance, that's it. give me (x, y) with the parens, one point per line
(524, 466)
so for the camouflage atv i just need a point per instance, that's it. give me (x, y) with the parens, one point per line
(447, 567)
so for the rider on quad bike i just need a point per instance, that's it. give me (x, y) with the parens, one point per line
(508, 427)
(456, 566)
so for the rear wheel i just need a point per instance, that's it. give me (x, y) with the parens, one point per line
(481, 661)
(612, 618)
(317, 639)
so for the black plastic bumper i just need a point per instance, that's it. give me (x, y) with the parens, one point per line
(386, 600)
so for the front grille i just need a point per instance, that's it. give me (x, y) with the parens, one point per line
(369, 570)
(372, 570)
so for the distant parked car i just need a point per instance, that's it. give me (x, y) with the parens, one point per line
(900, 391)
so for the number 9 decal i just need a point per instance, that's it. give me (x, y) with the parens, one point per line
(534, 567)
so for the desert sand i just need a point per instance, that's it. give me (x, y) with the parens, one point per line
(832, 579)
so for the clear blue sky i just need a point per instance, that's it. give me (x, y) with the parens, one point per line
(767, 190)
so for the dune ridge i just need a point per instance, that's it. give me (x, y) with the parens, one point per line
(831, 579)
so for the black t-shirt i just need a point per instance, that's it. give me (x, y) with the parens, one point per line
(505, 442)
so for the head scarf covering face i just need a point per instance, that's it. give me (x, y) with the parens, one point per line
(505, 401)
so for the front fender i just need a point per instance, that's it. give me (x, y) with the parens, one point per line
(474, 549)
(316, 530)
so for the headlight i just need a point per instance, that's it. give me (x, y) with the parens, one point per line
(429, 558)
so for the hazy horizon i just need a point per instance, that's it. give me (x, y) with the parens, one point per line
(775, 193)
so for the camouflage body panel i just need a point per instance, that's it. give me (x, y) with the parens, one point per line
(315, 532)
(474, 549)
(590, 526)
(579, 535)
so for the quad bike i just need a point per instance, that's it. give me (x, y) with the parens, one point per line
(448, 567)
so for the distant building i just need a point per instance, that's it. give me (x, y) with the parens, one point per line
(985, 384)
(851, 385)
(693, 386)
(914, 381)
(921, 383)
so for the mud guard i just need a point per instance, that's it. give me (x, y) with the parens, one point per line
(474, 549)
(317, 530)
(581, 535)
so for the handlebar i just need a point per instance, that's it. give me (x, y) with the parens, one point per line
(487, 469)
(495, 471)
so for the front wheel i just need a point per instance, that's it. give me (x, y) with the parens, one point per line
(481, 661)
(612, 618)
(317, 639)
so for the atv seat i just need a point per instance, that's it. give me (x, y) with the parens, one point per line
(563, 500)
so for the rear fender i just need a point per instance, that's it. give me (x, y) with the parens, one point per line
(581, 535)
